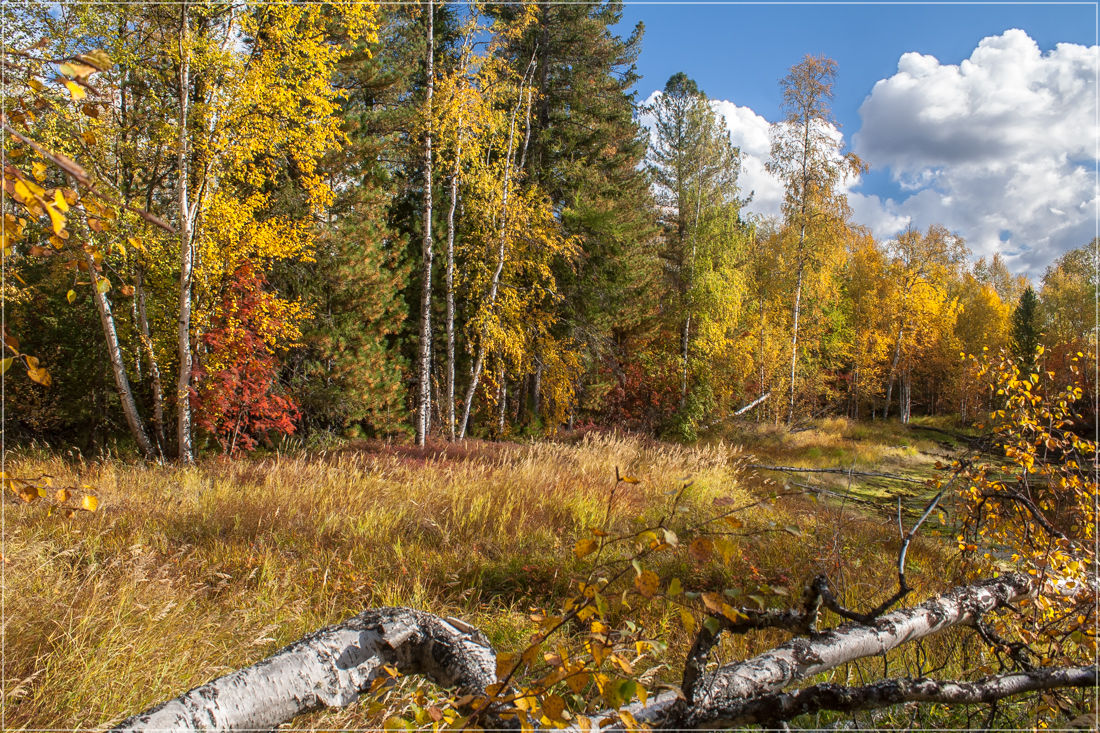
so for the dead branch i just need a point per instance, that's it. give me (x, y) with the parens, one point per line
(784, 706)
(753, 404)
(844, 471)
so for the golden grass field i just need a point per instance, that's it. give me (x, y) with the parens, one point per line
(185, 573)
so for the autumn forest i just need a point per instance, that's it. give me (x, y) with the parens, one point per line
(284, 257)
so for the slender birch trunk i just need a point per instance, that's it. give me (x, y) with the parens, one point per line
(494, 285)
(502, 403)
(122, 381)
(794, 333)
(424, 360)
(450, 294)
(183, 385)
(801, 260)
(154, 368)
(893, 374)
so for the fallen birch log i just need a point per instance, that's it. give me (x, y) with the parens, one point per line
(331, 668)
(334, 666)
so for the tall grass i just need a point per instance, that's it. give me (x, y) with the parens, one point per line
(185, 573)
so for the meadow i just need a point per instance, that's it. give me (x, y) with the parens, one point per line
(182, 574)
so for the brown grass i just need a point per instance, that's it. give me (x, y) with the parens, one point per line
(183, 574)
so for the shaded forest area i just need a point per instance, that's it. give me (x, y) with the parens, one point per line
(227, 224)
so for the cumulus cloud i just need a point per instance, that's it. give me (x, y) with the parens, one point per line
(752, 133)
(1001, 147)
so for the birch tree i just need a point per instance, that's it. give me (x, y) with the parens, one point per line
(424, 358)
(807, 156)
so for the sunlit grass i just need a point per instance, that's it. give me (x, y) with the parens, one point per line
(186, 573)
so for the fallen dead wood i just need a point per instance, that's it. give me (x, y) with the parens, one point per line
(334, 666)
(844, 471)
(753, 404)
(331, 668)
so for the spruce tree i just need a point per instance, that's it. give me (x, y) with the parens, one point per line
(1025, 330)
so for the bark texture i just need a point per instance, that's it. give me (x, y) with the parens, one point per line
(424, 357)
(122, 382)
(183, 337)
(722, 695)
(330, 667)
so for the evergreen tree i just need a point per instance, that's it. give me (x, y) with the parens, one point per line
(694, 166)
(1025, 330)
(585, 150)
(349, 376)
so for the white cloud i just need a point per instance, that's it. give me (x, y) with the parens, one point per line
(1000, 147)
(752, 133)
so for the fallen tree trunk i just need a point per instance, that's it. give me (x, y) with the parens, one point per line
(722, 697)
(332, 667)
(842, 471)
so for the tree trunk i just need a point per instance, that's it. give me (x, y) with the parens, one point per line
(905, 398)
(450, 294)
(423, 413)
(183, 344)
(494, 285)
(794, 331)
(725, 692)
(122, 382)
(332, 667)
(893, 373)
(154, 368)
(502, 402)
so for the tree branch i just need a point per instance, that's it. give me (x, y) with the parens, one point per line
(722, 696)
(784, 706)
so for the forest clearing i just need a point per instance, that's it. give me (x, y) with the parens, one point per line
(426, 366)
(185, 573)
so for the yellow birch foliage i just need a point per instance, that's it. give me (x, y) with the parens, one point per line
(1035, 511)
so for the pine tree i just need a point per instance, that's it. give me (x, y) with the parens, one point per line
(694, 166)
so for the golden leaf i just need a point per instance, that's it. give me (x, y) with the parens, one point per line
(647, 583)
(75, 91)
(585, 547)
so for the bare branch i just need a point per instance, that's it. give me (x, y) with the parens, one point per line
(784, 706)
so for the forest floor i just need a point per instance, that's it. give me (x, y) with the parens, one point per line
(182, 574)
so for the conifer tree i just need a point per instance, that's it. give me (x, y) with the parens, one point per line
(1025, 329)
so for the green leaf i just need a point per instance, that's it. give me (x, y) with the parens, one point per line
(5, 364)
(103, 285)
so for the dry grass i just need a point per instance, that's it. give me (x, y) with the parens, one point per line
(186, 573)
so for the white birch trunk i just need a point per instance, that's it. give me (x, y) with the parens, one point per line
(330, 668)
(183, 344)
(424, 361)
(122, 381)
(494, 285)
(450, 295)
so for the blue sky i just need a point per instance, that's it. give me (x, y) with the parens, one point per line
(738, 53)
